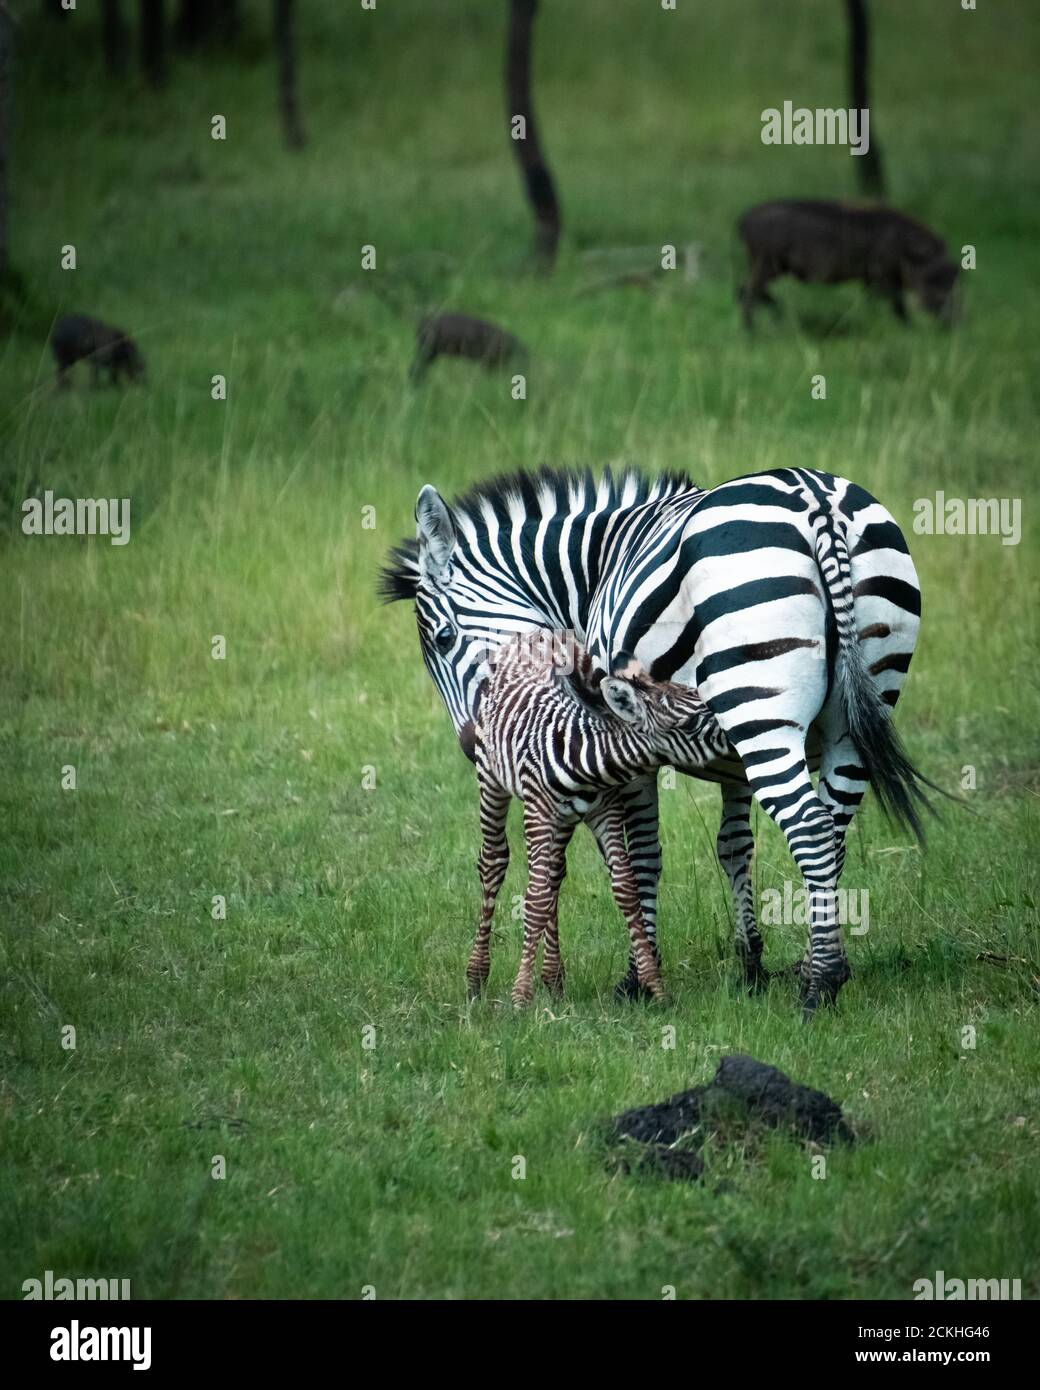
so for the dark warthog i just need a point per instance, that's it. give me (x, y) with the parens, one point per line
(828, 242)
(459, 335)
(77, 338)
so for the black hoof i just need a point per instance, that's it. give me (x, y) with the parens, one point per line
(821, 992)
(629, 988)
(796, 968)
(756, 976)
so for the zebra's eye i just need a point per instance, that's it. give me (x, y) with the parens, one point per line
(444, 638)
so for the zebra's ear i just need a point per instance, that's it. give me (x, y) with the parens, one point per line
(435, 531)
(624, 701)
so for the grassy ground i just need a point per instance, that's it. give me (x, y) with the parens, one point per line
(393, 1166)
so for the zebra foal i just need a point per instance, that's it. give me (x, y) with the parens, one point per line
(565, 738)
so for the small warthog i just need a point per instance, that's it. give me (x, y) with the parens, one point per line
(828, 242)
(77, 338)
(459, 335)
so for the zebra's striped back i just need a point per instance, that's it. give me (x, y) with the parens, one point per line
(788, 599)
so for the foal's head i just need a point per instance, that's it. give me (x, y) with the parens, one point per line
(673, 717)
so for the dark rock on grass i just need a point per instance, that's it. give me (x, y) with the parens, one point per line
(666, 1138)
(779, 1102)
(665, 1122)
(682, 1165)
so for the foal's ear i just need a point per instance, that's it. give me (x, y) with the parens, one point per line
(435, 532)
(626, 665)
(624, 701)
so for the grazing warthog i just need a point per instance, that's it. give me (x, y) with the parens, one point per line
(459, 335)
(829, 242)
(77, 338)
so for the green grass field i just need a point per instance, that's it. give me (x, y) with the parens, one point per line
(392, 1167)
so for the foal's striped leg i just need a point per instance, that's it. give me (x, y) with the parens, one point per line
(492, 863)
(541, 833)
(552, 965)
(626, 895)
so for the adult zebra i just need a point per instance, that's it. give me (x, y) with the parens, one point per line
(788, 598)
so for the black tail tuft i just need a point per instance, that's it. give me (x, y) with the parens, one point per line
(897, 783)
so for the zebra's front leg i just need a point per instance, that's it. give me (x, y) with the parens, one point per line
(540, 834)
(639, 805)
(492, 864)
(552, 964)
(735, 846)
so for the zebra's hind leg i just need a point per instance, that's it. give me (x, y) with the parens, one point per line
(841, 787)
(808, 825)
(552, 964)
(492, 864)
(735, 846)
(639, 801)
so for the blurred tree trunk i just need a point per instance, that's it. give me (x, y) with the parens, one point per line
(113, 36)
(199, 21)
(537, 180)
(6, 120)
(229, 18)
(153, 41)
(868, 166)
(191, 24)
(285, 43)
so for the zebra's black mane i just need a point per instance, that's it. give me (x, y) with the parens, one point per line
(548, 489)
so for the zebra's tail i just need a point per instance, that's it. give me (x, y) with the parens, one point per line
(897, 783)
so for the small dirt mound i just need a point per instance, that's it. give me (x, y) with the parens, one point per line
(743, 1093)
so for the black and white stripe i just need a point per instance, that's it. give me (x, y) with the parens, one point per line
(788, 598)
(564, 738)
(524, 551)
